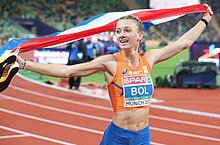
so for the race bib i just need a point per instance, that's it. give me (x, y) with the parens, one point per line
(137, 90)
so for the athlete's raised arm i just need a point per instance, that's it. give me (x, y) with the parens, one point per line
(185, 41)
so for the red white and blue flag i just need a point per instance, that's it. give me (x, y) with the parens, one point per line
(97, 24)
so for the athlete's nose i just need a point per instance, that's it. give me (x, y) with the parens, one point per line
(121, 35)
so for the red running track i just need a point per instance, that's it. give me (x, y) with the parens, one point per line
(37, 115)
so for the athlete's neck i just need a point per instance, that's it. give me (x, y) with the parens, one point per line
(131, 58)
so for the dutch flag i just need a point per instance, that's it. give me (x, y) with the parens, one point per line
(97, 24)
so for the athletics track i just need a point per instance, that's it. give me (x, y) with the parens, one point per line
(37, 114)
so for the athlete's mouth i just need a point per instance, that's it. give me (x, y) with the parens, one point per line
(123, 41)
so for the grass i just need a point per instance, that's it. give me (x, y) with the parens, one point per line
(161, 69)
(98, 78)
(168, 66)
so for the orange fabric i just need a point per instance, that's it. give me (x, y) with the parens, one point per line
(131, 88)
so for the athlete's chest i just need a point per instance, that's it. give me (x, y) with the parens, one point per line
(136, 85)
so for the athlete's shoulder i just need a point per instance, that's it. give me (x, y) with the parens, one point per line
(106, 58)
(150, 56)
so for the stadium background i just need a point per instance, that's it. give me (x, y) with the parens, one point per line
(37, 18)
(36, 113)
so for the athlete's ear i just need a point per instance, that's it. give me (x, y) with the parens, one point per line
(140, 36)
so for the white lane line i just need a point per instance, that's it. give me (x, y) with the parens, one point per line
(13, 136)
(187, 134)
(2, 98)
(56, 109)
(186, 111)
(100, 132)
(185, 122)
(60, 99)
(51, 121)
(106, 119)
(192, 112)
(44, 138)
(63, 111)
(36, 136)
(60, 88)
(160, 107)
(166, 108)
(155, 143)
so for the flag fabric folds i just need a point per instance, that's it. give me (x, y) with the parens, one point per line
(97, 24)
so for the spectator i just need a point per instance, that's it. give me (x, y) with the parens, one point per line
(99, 47)
(90, 50)
(76, 56)
(111, 46)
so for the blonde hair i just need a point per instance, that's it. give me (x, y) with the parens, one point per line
(137, 21)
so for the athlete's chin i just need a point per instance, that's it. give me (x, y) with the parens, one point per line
(124, 47)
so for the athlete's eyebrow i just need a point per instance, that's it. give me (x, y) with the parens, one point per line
(123, 27)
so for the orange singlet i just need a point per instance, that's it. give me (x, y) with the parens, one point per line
(131, 88)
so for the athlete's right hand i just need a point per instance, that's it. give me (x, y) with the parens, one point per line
(21, 62)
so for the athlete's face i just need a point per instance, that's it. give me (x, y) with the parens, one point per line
(128, 35)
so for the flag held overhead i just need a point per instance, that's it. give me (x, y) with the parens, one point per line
(101, 23)
(94, 25)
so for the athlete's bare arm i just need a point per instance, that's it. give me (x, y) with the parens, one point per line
(185, 41)
(101, 64)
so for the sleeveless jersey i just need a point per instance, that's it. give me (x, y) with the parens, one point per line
(131, 87)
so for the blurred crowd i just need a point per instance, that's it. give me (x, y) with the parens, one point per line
(63, 14)
(174, 29)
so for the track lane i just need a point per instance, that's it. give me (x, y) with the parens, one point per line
(50, 129)
(67, 118)
(206, 100)
(42, 111)
(103, 106)
(186, 117)
(162, 135)
(29, 138)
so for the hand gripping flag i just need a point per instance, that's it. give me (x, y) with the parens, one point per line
(95, 25)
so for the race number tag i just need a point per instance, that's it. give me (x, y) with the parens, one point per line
(137, 90)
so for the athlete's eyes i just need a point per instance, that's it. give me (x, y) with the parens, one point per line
(127, 30)
(117, 31)
(124, 30)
